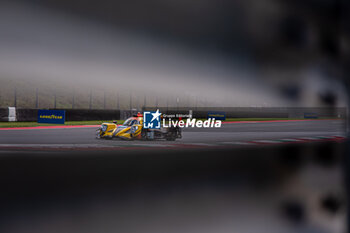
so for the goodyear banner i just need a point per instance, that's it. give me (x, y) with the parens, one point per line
(217, 115)
(51, 116)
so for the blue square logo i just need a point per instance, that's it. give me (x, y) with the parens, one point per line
(151, 120)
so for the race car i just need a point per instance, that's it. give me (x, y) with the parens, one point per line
(133, 129)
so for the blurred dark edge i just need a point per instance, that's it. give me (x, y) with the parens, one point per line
(31, 182)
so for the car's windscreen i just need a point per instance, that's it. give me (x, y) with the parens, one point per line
(130, 122)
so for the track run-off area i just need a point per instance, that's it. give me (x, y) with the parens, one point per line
(231, 134)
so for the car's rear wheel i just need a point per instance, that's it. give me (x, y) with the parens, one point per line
(171, 136)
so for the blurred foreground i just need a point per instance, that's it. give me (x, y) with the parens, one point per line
(296, 188)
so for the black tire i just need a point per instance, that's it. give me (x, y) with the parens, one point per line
(144, 135)
(171, 136)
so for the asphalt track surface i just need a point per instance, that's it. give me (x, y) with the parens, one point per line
(229, 134)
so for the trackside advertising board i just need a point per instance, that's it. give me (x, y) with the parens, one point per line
(51, 116)
(217, 115)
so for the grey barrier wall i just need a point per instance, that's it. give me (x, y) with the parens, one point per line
(90, 115)
(24, 114)
(4, 114)
(251, 112)
(85, 114)
(125, 114)
(244, 114)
